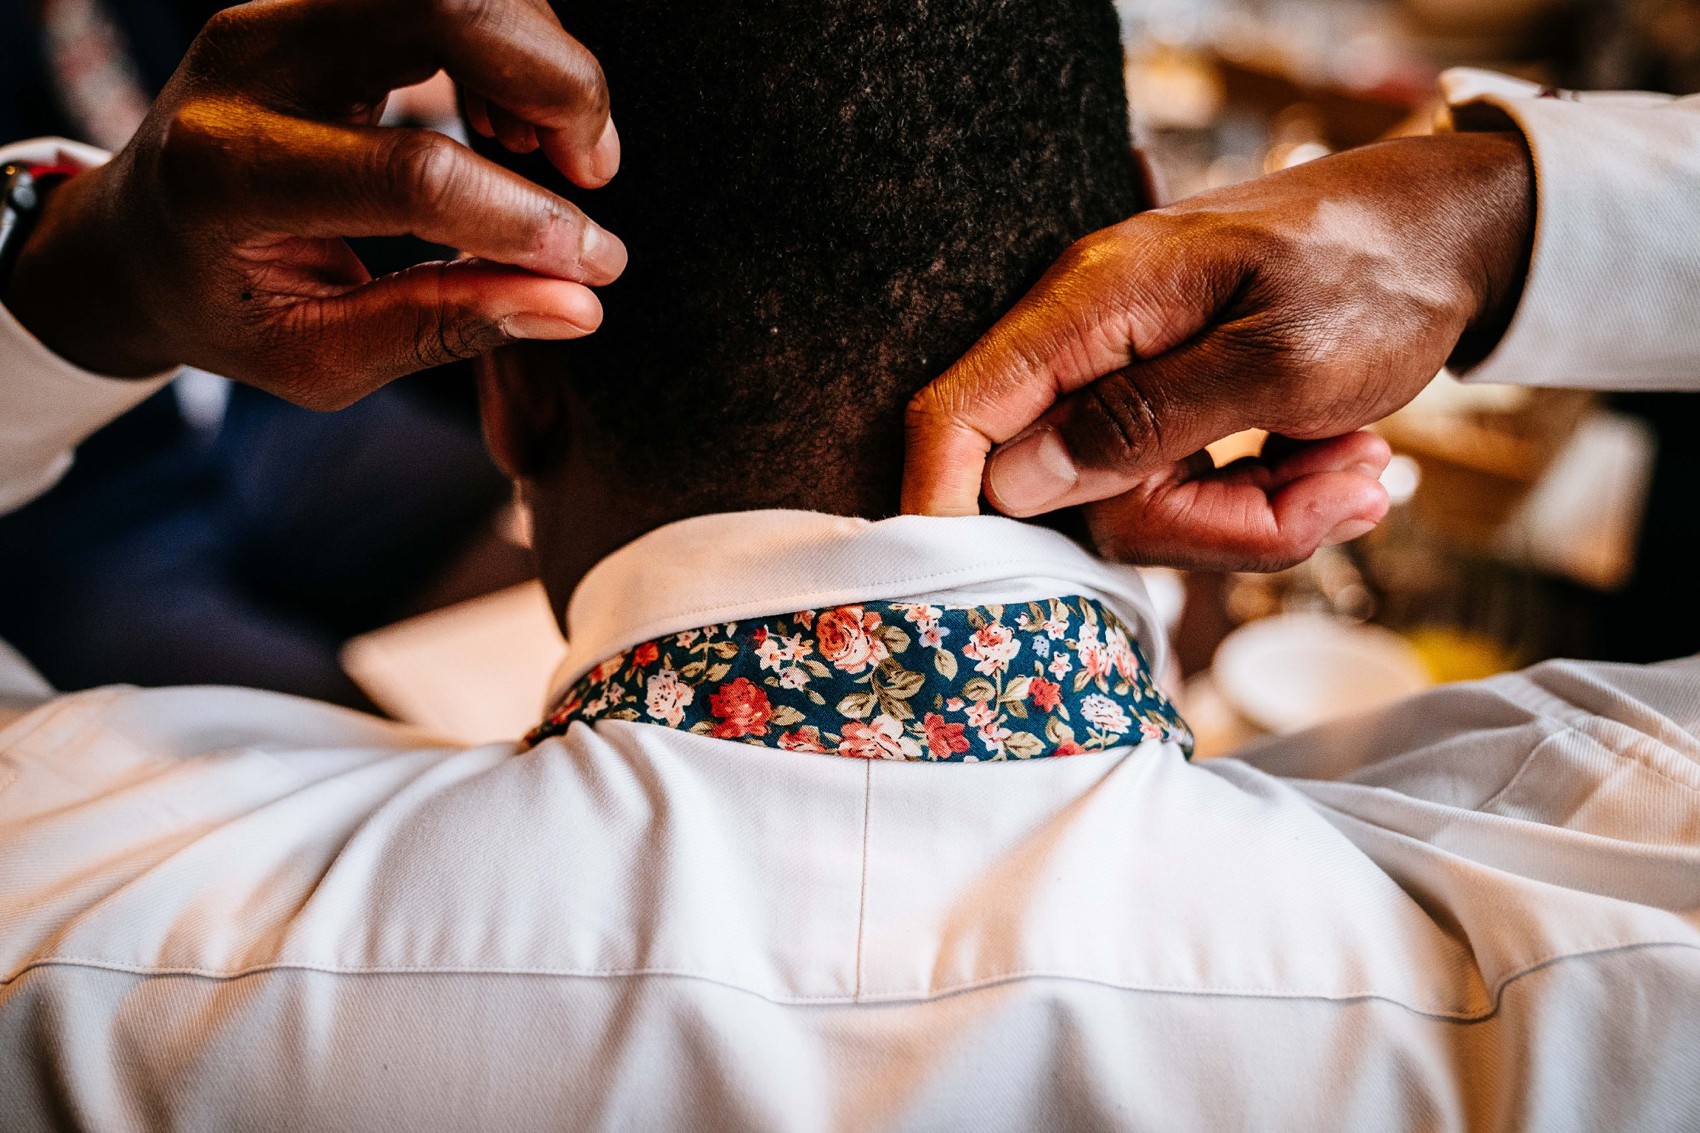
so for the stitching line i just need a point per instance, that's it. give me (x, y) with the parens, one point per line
(862, 906)
(1497, 997)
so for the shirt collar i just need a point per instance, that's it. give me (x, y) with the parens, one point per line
(738, 565)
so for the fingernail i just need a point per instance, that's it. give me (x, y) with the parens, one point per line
(542, 327)
(1366, 468)
(602, 252)
(605, 155)
(1031, 472)
(1348, 531)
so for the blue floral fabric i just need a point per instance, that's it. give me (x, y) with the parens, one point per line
(893, 680)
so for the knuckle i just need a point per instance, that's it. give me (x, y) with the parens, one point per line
(592, 83)
(421, 167)
(462, 14)
(944, 408)
(223, 31)
(1093, 253)
(1115, 423)
(446, 330)
(925, 408)
(191, 144)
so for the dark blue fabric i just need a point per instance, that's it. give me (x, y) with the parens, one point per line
(893, 680)
(165, 559)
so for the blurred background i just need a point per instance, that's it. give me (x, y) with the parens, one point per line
(372, 557)
(1527, 523)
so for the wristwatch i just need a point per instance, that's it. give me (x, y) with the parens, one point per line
(23, 189)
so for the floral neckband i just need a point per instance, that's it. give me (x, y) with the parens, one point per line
(893, 680)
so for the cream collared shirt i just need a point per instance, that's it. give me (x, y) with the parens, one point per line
(228, 909)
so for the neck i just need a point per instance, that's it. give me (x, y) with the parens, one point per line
(584, 509)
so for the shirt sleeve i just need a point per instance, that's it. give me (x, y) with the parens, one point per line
(1612, 299)
(47, 405)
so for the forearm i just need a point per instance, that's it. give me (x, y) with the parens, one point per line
(1611, 299)
(47, 404)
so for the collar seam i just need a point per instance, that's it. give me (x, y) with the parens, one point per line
(787, 602)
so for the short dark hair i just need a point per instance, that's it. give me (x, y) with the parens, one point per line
(825, 205)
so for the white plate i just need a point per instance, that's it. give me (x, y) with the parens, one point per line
(1295, 670)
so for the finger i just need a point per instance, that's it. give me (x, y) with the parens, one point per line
(318, 180)
(1092, 314)
(605, 155)
(1250, 515)
(422, 317)
(1363, 452)
(477, 112)
(513, 53)
(519, 57)
(1103, 440)
(516, 135)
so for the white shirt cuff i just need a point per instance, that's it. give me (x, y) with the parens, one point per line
(1609, 302)
(47, 405)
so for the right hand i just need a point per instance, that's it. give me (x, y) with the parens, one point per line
(1308, 303)
(215, 238)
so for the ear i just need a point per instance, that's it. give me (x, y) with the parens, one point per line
(524, 416)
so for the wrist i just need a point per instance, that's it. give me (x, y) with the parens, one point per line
(1495, 204)
(68, 288)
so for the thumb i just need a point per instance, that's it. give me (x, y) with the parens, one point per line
(419, 318)
(1126, 293)
(1107, 438)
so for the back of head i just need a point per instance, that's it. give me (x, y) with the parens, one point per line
(825, 204)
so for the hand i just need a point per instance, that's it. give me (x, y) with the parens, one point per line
(1308, 303)
(216, 237)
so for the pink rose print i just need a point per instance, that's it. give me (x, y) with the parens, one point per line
(611, 697)
(849, 639)
(776, 652)
(1105, 714)
(1044, 694)
(1121, 653)
(879, 738)
(943, 738)
(1094, 656)
(666, 697)
(921, 615)
(994, 735)
(993, 646)
(743, 709)
(805, 683)
(567, 710)
(807, 738)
